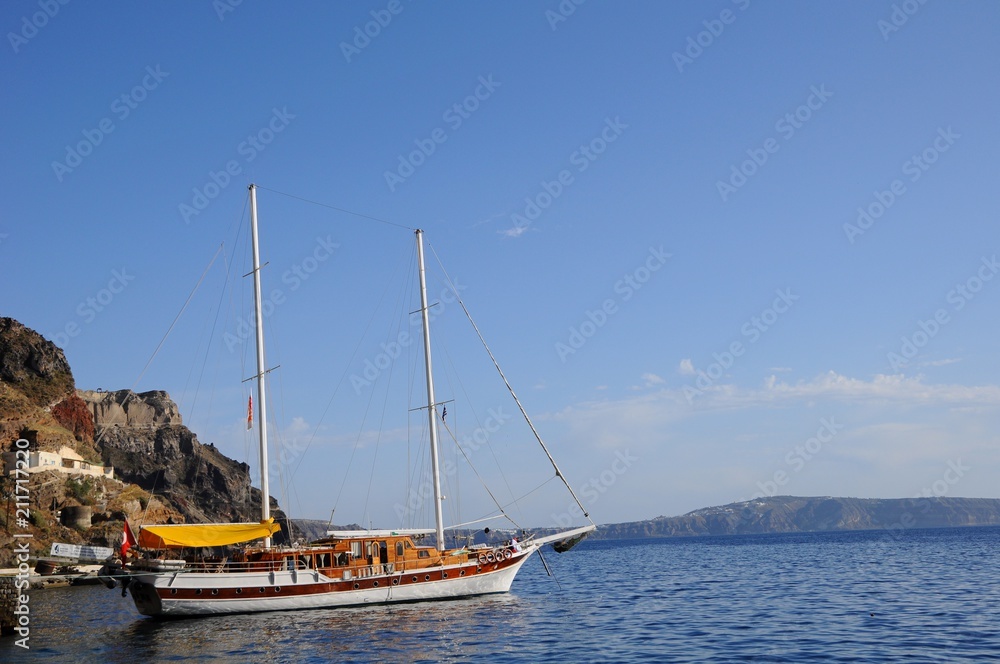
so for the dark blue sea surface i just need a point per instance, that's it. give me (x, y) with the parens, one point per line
(908, 596)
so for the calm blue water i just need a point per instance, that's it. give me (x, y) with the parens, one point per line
(920, 596)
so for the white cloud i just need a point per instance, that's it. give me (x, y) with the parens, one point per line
(514, 231)
(686, 367)
(941, 363)
(652, 410)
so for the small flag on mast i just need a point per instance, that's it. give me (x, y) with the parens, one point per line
(250, 413)
(444, 413)
(129, 540)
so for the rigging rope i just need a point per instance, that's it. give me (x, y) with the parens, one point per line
(356, 214)
(164, 339)
(478, 476)
(510, 389)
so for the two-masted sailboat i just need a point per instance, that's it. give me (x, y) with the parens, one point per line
(345, 567)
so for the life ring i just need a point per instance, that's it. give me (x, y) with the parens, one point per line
(507, 554)
(482, 559)
(490, 557)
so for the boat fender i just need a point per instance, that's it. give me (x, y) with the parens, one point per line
(490, 557)
(106, 577)
(482, 558)
(507, 554)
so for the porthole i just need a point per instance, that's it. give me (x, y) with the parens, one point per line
(277, 589)
(215, 591)
(197, 592)
(374, 584)
(444, 575)
(462, 573)
(414, 579)
(427, 577)
(173, 591)
(395, 582)
(356, 586)
(262, 590)
(239, 591)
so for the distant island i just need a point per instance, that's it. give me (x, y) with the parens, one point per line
(791, 514)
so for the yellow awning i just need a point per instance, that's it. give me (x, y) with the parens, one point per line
(204, 534)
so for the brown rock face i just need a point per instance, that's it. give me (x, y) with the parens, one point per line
(72, 413)
(128, 409)
(37, 365)
(142, 437)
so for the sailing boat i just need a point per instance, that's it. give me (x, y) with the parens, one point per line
(344, 568)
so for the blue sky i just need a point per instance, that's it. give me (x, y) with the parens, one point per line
(721, 249)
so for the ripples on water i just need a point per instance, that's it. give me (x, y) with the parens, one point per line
(920, 596)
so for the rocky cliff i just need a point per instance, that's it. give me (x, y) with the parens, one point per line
(33, 363)
(142, 436)
(162, 472)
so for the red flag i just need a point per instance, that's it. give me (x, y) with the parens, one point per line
(250, 413)
(129, 541)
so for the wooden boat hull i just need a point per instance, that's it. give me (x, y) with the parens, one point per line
(186, 593)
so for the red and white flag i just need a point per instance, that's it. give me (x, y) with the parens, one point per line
(250, 413)
(129, 540)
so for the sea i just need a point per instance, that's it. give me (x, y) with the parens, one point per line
(876, 596)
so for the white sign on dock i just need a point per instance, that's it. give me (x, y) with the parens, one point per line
(77, 552)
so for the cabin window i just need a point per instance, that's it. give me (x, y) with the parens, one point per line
(356, 549)
(399, 549)
(423, 554)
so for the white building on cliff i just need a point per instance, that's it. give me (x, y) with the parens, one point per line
(66, 460)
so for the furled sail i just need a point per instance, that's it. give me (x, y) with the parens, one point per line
(204, 534)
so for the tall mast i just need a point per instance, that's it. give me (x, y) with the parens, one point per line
(265, 498)
(431, 413)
